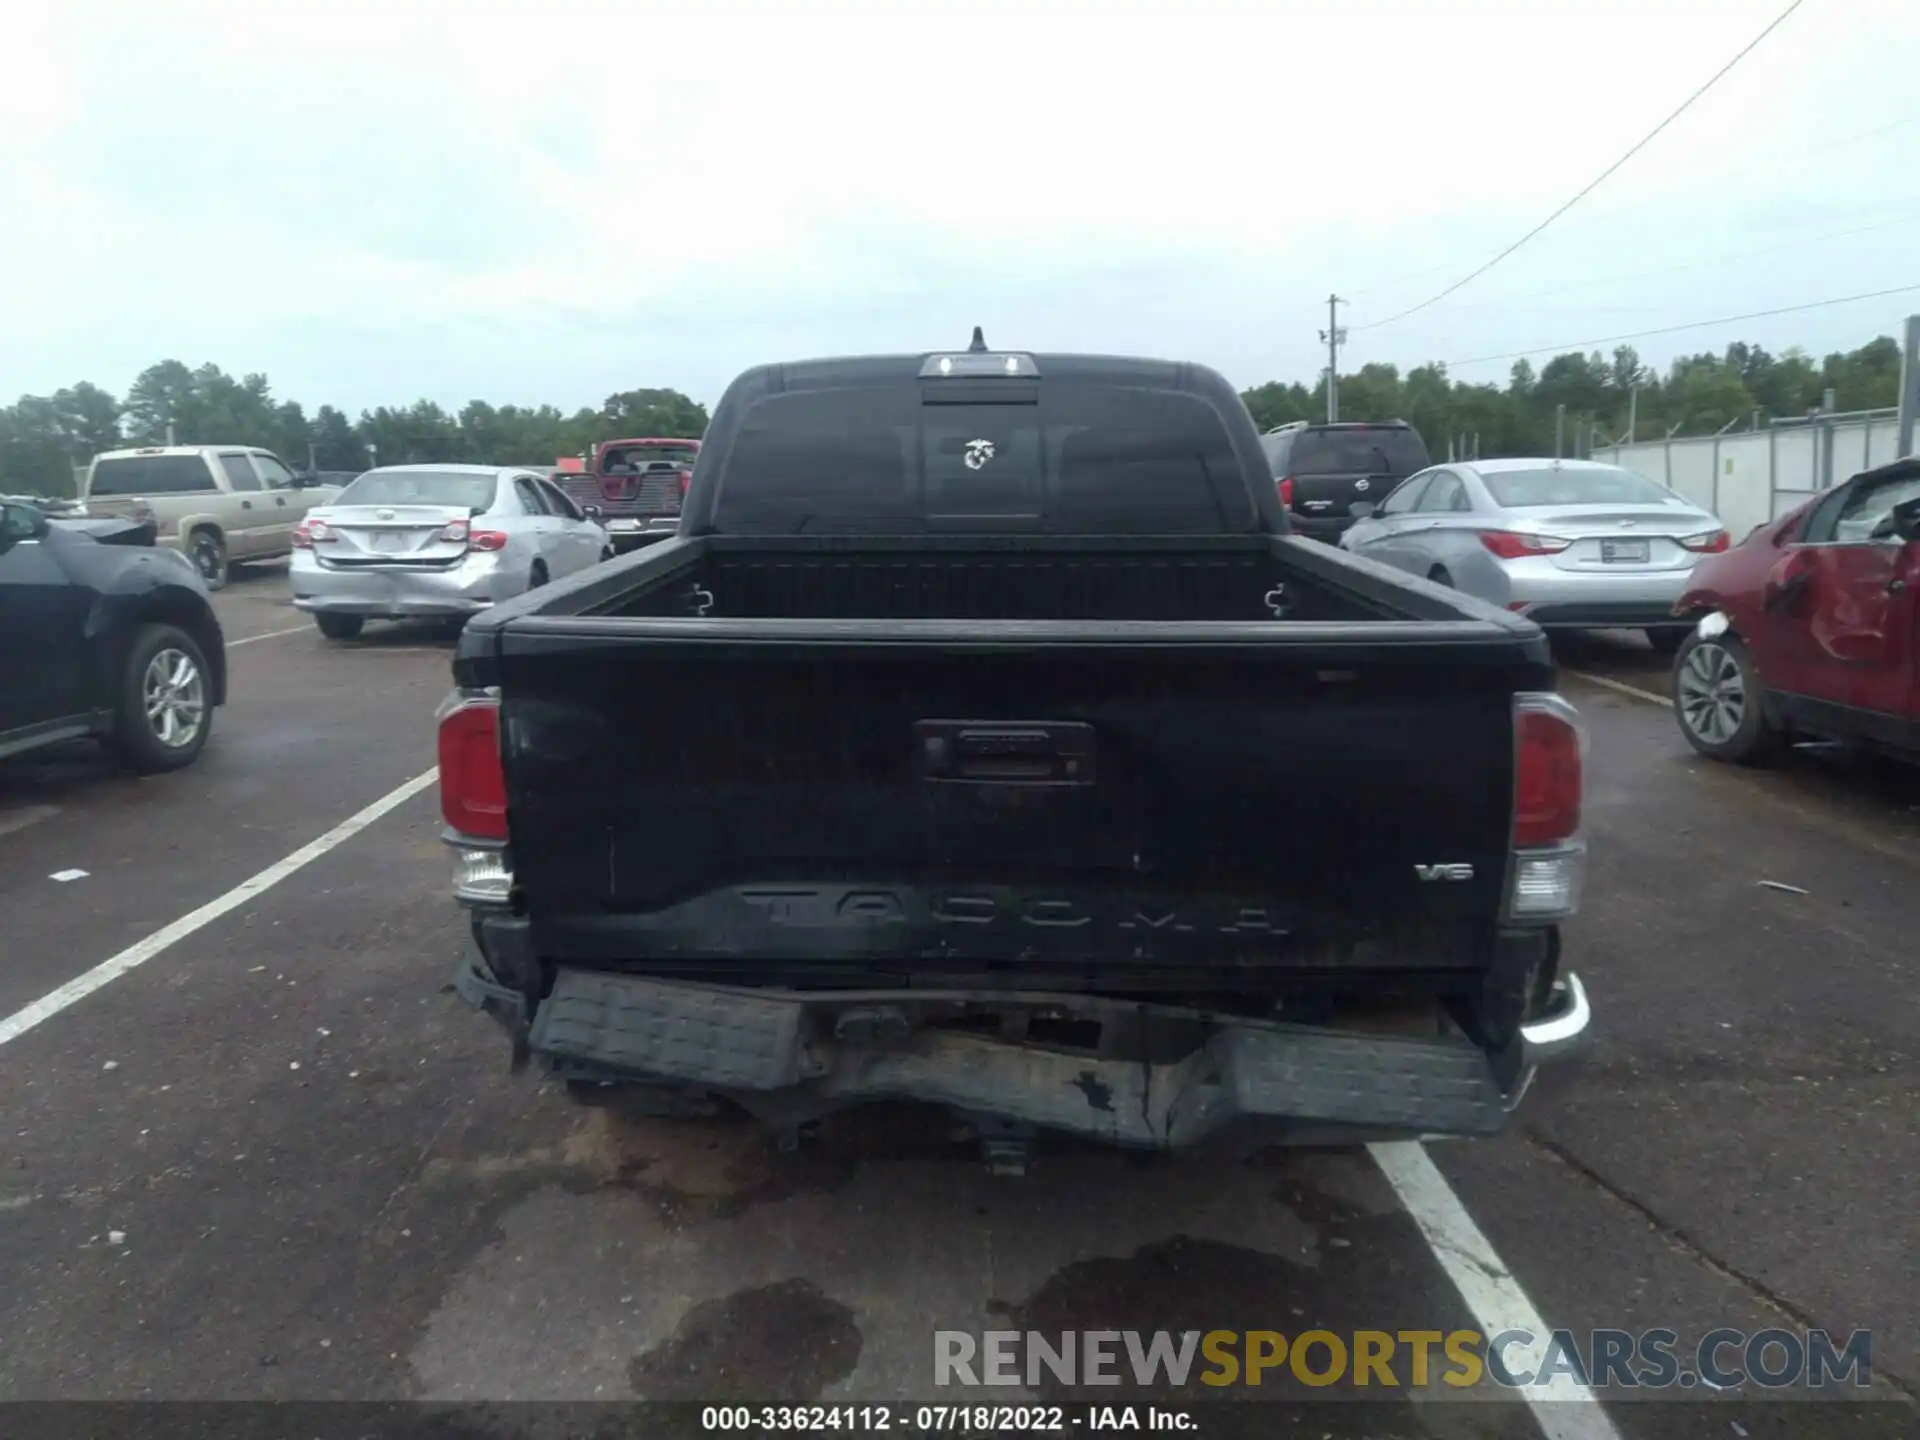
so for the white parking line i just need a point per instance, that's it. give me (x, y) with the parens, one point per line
(137, 954)
(1623, 688)
(270, 635)
(1562, 1407)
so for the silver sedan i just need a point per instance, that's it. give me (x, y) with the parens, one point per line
(1571, 544)
(440, 541)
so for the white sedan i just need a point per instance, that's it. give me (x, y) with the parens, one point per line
(437, 541)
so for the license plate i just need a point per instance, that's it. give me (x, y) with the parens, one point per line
(1623, 552)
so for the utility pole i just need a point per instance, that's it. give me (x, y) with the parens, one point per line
(169, 432)
(1633, 413)
(1909, 388)
(1559, 431)
(1335, 337)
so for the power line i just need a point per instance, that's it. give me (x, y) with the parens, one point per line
(1692, 190)
(1596, 182)
(1677, 329)
(1904, 218)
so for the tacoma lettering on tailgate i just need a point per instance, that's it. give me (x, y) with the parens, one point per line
(838, 905)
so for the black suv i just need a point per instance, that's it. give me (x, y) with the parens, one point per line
(1323, 471)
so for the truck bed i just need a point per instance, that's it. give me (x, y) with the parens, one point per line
(1227, 578)
(1105, 765)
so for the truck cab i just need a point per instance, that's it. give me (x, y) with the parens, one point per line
(220, 505)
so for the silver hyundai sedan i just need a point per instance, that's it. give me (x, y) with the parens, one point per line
(410, 541)
(1571, 544)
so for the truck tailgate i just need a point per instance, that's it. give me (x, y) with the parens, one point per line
(1013, 800)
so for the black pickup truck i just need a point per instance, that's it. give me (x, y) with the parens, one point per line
(984, 738)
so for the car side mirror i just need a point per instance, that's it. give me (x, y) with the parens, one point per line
(1902, 523)
(18, 523)
(593, 513)
(1365, 510)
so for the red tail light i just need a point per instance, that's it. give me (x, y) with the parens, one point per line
(1711, 543)
(311, 532)
(487, 539)
(686, 482)
(1513, 545)
(1286, 492)
(473, 785)
(457, 531)
(1546, 772)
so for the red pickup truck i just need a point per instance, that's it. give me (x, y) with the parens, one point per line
(1810, 626)
(637, 485)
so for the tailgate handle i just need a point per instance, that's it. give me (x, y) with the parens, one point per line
(1005, 752)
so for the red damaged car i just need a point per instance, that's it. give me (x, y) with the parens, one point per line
(1810, 627)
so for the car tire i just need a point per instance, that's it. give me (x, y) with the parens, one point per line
(1667, 639)
(164, 685)
(208, 551)
(339, 627)
(1439, 576)
(1718, 701)
(539, 575)
(608, 554)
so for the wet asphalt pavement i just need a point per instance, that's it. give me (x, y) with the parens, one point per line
(278, 1160)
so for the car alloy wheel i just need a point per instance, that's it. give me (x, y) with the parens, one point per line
(1712, 692)
(175, 695)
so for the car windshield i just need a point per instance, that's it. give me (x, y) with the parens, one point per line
(1362, 451)
(468, 489)
(1526, 489)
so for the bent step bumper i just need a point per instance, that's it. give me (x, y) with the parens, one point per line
(748, 1042)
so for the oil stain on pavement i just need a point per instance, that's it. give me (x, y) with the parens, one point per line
(694, 1258)
(784, 1342)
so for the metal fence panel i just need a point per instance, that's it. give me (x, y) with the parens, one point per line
(1752, 477)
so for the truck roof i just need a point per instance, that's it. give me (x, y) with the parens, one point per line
(179, 450)
(1110, 395)
(878, 369)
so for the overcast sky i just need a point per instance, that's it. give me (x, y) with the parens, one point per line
(548, 202)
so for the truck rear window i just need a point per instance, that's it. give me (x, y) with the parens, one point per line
(618, 459)
(150, 475)
(1080, 459)
(1357, 452)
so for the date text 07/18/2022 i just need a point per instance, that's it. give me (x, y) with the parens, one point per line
(942, 1419)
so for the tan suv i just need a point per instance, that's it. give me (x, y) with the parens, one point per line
(221, 505)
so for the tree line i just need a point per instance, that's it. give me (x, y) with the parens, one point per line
(44, 438)
(1619, 396)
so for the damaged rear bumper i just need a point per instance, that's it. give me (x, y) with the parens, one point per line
(791, 1056)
